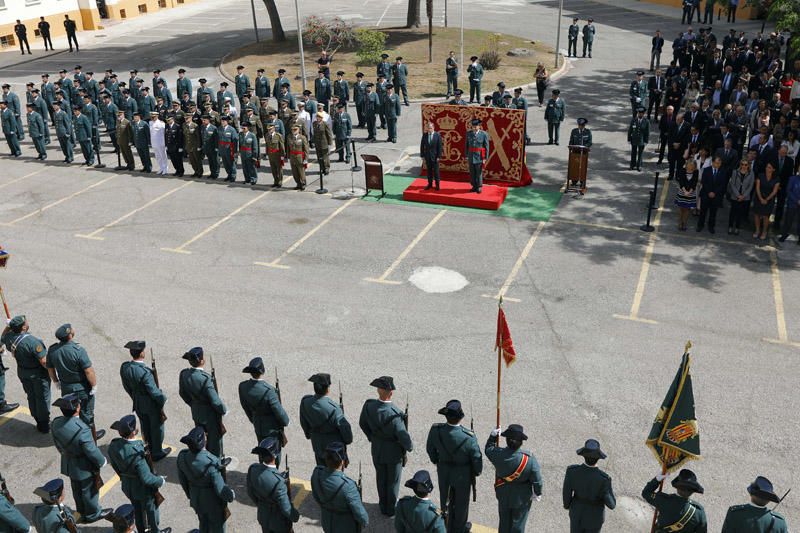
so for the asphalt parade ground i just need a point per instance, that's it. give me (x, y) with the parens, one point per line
(599, 310)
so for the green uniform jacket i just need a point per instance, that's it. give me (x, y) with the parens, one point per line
(242, 83)
(28, 351)
(475, 72)
(228, 141)
(91, 112)
(197, 390)
(639, 131)
(359, 92)
(11, 520)
(125, 132)
(323, 422)
(249, 145)
(749, 518)
(141, 134)
(384, 68)
(183, 86)
(9, 122)
(201, 92)
(276, 87)
(130, 106)
(110, 116)
(260, 403)
(261, 87)
(580, 138)
(70, 360)
(47, 518)
(80, 456)
(371, 104)
(148, 105)
(63, 124)
(517, 493)
(382, 423)
(35, 125)
(337, 495)
(415, 515)
(127, 458)
(82, 127)
(221, 96)
(139, 383)
(297, 144)
(341, 88)
(391, 106)
(455, 452)
(399, 74)
(587, 492)
(209, 138)
(274, 146)
(267, 488)
(201, 480)
(479, 139)
(342, 126)
(672, 508)
(191, 137)
(555, 111)
(322, 134)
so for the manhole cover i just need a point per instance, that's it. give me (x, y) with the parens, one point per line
(437, 280)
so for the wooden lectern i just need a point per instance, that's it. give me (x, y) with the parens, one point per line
(577, 167)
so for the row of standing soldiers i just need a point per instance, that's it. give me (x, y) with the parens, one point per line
(453, 448)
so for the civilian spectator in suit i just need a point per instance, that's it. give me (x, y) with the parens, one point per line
(674, 95)
(740, 187)
(686, 196)
(712, 191)
(656, 86)
(785, 168)
(728, 155)
(767, 186)
(792, 209)
(695, 117)
(678, 141)
(764, 154)
(664, 127)
(732, 6)
(655, 51)
(430, 148)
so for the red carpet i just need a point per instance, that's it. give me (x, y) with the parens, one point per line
(456, 193)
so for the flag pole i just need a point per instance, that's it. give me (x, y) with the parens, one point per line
(5, 305)
(499, 369)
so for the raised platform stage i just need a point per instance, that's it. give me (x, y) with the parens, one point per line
(456, 193)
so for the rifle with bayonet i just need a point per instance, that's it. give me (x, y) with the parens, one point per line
(781, 501)
(4, 490)
(222, 428)
(360, 484)
(66, 519)
(287, 475)
(405, 423)
(284, 440)
(472, 479)
(155, 378)
(346, 462)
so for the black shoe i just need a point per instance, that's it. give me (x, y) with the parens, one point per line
(783, 238)
(100, 433)
(43, 427)
(437, 187)
(165, 530)
(428, 187)
(297, 188)
(225, 461)
(302, 187)
(550, 141)
(479, 190)
(103, 514)
(166, 451)
(556, 143)
(8, 407)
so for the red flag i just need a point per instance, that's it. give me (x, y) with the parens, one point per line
(504, 342)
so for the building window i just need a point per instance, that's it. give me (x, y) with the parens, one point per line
(6, 41)
(122, 14)
(32, 2)
(162, 3)
(180, 1)
(142, 9)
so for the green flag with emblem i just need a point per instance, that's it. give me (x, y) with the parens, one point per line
(674, 436)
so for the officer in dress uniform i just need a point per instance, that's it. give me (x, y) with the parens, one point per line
(280, 82)
(418, 514)
(638, 92)
(51, 516)
(477, 153)
(10, 130)
(755, 517)
(261, 85)
(63, 128)
(250, 150)
(370, 108)
(80, 457)
(228, 147)
(124, 140)
(337, 495)
(341, 88)
(273, 145)
(521, 103)
(359, 94)
(638, 136)
(475, 72)
(36, 131)
(322, 419)
(141, 139)
(458, 98)
(400, 79)
(385, 427)
(197, 390)
(210, 136)
(241, 83)
(456, 453)
(148, 399)
(384, 68)
(554, 114)
(267, 488)
(587, 491)
(200, 475)
(581, 136)
(518, 479)
(123, 519)
(262, 406)
(676, 512)
(391, 110)
(323, 139)
(110, 111)
(31, 356)
(572, 38)
(183, 85)
(126, 454)
(69, 366)
(193, 146)
(342, 130)
(173, 138)
(297, 153)
(11, 519)
(589, 30)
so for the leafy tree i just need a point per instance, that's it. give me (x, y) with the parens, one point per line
(371, 44)
(328, 35)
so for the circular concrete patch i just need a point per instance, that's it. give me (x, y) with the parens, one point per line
(437, 280)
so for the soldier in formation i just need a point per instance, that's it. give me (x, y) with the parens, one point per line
(261, 403)
(677, 512)
(587, 490)
(418, 512)
(269, 489)
(337, 495)
(31, 355)
(197, 388)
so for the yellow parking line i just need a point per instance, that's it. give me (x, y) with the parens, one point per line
(182, 248)
(302, 494)
(26, 176)
(94, 235)
(777, 294)
(108, 485)
(58, 202)
(648, 257)
(515, 270)
(275, 263)
(8, 417)
(477, 528)
(404, 253)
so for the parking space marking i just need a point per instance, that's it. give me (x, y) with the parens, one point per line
(515, 270)
(302, 494)
(94, 235)
(59, 202)
(26, 176)
(404, 253)
(8, 417)
(648, 257)
(182, 248)
(777, 294)
(275, 263)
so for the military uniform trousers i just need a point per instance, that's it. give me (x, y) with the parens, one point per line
(66, 145)
(476, 175)
(360, 115)
(323, 158)
(87, 150)
(38, 144)
(455, 488)
(387, 477)
(86, 496)
(475, 91)
(572, 46)
(371, 125)
(144, 156)
(275, 165)
(636, 155)
(127, 155)
(13, 143)
(513, 519)
(37, 389)
(2, 386)
(228, 159)
(213, 162)
(176, 158)
(152, 432)
(249, 168)
(391, 125)
(196, 160)
(343, 149)
(298, 169)
(552, 131)
(145, 514)
(112, 134)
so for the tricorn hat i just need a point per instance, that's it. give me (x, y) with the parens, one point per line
(268, 446)
(383, 382)
(762, 488)
(256, 366)
(421, 482)
(687, 480)
(514, 431)
(591, 449)
(452, 410)
(321, 379)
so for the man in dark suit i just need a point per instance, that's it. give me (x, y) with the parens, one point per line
(729, 156)
(695, 117)
(714, 182)
(678, 141)
(430, 148)
(764, 154)
(656, 85)
(785, 170)
(664, 128)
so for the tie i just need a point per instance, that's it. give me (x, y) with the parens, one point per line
(430, 139)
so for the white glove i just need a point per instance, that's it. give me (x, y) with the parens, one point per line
(163, 480)
(8, 321)
(495, 432)
(93, 391)
(233, 493)
(638, 99)
(660, 477)
(538, 498)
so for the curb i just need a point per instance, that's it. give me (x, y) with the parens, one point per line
(26, 61)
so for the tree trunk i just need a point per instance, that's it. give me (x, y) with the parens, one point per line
(275, 21)
(412, 19)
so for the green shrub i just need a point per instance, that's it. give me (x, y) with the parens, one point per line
(371, 44)
(490, 57)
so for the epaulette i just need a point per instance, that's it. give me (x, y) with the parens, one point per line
(468, 431)
(778, 516)
(438, 425)
(572, 467)
(604, 474)
(739, 507)
(697, 504)
(526, 452)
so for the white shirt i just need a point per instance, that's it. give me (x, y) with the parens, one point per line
(305, 116)
(157, 129)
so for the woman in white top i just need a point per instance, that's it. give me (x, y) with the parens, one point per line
(792, 144)
(692, 92)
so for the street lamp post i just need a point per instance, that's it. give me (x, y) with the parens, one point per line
(558, 29)
(462, 33)
(255, 25)
(300, 44)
